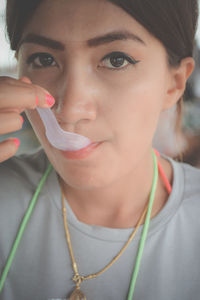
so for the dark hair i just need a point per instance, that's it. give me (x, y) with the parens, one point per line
(18, 13)
(173, 22)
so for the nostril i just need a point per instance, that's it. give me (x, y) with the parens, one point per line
(71, 112)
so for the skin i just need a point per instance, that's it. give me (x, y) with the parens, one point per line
(119, 107)
(15, 97)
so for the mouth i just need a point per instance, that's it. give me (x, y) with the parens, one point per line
(82, 153)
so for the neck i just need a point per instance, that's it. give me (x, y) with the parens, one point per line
(120, 204)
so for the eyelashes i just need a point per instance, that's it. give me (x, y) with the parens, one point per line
(118, 60)
(113, 61)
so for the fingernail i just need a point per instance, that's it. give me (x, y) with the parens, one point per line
(25, 79)
(22, 120)
(17, 142)
(50, 100)
(36, 100)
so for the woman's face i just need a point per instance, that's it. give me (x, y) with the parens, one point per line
(110, 79)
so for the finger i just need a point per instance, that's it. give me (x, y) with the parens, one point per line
(8, 148)
(10, 122)
(18, 94)
(49, 98)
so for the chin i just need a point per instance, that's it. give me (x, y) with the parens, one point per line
(87, 180)
(85, 174)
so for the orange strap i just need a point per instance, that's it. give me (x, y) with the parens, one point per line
(162, 174)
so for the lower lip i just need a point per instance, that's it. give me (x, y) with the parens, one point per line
(82, 153)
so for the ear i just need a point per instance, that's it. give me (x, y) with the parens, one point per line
(177, 82)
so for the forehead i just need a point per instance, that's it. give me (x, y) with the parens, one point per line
(78, 20)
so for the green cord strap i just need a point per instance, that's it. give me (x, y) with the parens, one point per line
(23, 227)
(30, 210)
(145, 230)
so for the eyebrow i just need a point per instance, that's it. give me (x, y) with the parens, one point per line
(114, 36)
(94, 42)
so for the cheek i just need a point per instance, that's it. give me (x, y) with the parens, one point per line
(133, 111)
(135, 106)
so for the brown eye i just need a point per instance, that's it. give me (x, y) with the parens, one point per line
(41, 60)
(117, 60)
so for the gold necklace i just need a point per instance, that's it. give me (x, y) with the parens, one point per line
(77, 294)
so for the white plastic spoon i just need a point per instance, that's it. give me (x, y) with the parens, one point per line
(59, 138)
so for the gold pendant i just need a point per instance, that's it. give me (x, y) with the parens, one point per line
(77, 295)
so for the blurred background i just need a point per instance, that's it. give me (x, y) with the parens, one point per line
(185, 145)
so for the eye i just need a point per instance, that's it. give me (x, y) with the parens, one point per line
(41, 60)
(117, 60)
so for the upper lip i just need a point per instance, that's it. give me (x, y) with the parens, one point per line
(92, 143)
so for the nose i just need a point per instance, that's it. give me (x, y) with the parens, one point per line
(75, 100)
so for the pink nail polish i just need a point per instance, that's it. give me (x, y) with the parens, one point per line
(36, 100)
(17, 142)
(50, 100)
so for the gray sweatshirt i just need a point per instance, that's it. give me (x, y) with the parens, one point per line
(41, 270)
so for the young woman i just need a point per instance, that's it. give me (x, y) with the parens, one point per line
(107, 69)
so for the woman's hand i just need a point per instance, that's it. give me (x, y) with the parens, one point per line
(15, 97)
